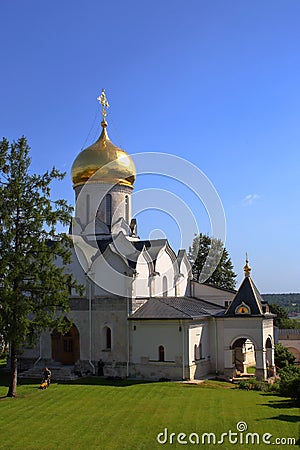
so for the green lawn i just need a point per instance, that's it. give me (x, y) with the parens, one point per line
(85, 415)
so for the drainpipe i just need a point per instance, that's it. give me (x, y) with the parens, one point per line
(90, 322)
(183, 350)
(128, 337)
(216, 343)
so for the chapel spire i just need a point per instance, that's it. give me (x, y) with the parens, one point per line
(247, 268)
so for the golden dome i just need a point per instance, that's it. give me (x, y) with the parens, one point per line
(105, 162)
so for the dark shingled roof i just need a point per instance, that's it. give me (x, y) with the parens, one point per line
(176, 308)
(248, 294)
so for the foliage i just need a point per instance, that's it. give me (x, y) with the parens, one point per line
(283, 356)
(291, 302)
(223, 276)
(33, 284)
(255, 385)
(282, 320)
(289, 385)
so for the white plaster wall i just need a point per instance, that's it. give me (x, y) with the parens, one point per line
(150, 334)
(165, 267)
(142, 280)
(198, 334)
(96, 193)
(183, 280)
(211, 294)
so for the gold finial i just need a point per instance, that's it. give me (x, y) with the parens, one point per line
(103, 100)
(247, 268)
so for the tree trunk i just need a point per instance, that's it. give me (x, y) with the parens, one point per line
(12, 390)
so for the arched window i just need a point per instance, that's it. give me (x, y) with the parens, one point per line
(195, 352)
(126, 209)
(165, 286)
(108, 338)
(108, 209)
(161, 353)
(200, 351)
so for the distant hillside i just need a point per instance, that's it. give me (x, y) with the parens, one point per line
(289, 301)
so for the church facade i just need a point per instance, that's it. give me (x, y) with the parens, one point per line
(142, 315)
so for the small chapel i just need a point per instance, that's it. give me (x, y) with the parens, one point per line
(142, 316)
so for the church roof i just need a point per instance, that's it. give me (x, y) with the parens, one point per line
(153, 248)
(176, 308)
(247, 296)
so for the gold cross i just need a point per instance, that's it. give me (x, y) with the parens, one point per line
(103, 100)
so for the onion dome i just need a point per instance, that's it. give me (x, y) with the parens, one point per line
(103, 161)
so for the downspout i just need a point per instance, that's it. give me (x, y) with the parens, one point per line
(183, 350)
(216, 344)
(128, 338)
(90, 323)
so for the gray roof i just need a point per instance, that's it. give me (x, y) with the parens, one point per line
(249, 295)
(176, 308)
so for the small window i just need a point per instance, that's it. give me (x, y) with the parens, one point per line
(126, 209)
(200, 351)
(165, 286)
(195, 352)
(108, 338)
(161, 353)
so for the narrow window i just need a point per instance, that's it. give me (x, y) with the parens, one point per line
(108, 209)
(108, 338)
(200, 351)
(126, 209)
(195, 353)
(161, 353)
(165, 286)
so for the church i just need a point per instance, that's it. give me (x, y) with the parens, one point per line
(142, 316)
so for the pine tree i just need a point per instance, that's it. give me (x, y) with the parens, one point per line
(33, 285)
(223, 276)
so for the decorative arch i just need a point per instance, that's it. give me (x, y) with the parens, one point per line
(244, 337)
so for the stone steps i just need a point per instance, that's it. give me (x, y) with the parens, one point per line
(58, 373)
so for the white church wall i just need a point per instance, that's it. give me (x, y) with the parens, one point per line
(165, 268)
(199, 358)
(146, 338)
(183, 280)
(142, 280)
(211, 294)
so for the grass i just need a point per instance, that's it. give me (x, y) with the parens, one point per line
(251, 370)
(95, 414)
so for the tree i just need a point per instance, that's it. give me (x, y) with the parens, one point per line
(282, 320)
(34, 290)
(223, 276)
(283, 357)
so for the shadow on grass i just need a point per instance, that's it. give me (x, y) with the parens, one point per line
(98, 381)
(281, 404)
(286, 418)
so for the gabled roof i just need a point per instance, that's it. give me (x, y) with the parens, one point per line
(176, 308)
(247, 296)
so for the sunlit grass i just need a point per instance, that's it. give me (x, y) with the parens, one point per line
(125, 415)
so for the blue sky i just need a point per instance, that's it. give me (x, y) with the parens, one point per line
(213, 82)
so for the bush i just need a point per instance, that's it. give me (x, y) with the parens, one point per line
(255, 385)
(289, 384)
